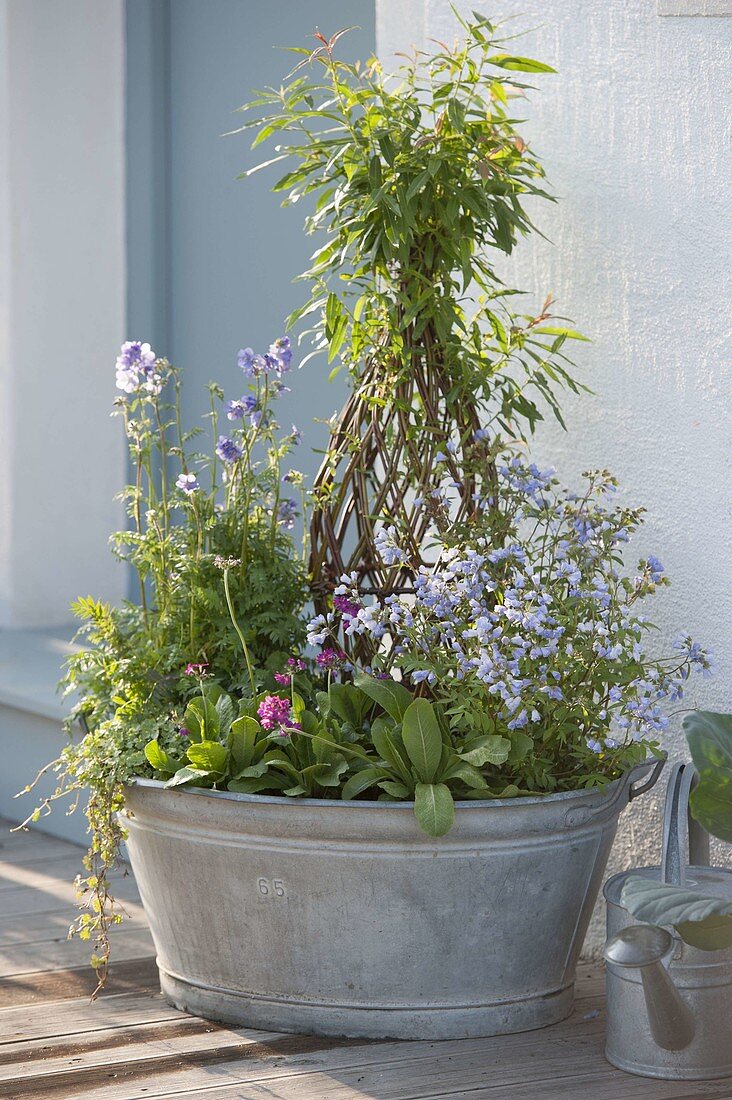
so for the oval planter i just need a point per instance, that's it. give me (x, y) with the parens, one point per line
(343, 918)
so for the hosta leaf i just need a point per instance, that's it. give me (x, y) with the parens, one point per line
(422, 738)
(391, 696)
(702, 920)
(710, 743)
(434, 808)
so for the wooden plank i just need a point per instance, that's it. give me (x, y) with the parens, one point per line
(51, 894)
(29, 848)
(176, 1067)
(129, 941)
(83, 1017)
(132, 976)
(54, 925)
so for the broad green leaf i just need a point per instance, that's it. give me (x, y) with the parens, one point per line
(254, 771)
(253, 786)
(394, 788)
(345, 702)
(241, 740)
(210, 755)
(434, 808)
(391, 696)
(461, 769)
(196, 776)
(710, 742)
(361, 781)
(161, 760)
(387, 744)
(226, 712)
(521, 746)
(700, 919)
(489, 749)
(422, 738)
(326, 775)
(201, 719)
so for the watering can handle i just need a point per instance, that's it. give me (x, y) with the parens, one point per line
(684, 840)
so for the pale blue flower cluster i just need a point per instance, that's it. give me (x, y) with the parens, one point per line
(541, 631)
(136, 369)
(277, 360)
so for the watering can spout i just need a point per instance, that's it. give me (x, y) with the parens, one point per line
(643, 947)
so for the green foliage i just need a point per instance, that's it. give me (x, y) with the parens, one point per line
(710, 741)
(418, 180)
(348, 742)
(140, 665)
(702, 920)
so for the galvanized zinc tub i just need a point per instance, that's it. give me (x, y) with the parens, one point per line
(343, 918)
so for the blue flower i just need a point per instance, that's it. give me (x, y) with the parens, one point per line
(237, 410)
(136, 369)
(187, 482)
(287, 513)
(250, 364)
(228, 450)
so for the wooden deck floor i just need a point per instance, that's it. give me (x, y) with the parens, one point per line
(130, 1044)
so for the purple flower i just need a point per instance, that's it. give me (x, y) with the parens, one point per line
(250, 364)
(296, 663)
(274, 711)
(136, 368)
(183, 732)
(227, 449)
(347, 607)
(187, 482)
(280, 353)
(237, 410)
(287, 513)
(295, 436)
(330, 659)
(283, 678)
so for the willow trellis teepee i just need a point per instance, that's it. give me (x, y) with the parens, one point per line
(419, 182)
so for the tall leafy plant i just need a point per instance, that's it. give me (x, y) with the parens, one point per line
(419, 184)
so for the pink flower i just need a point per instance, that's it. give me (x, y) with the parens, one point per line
(283, 678)
(348, 608)
(196, 670)
(329, 658)
(274, 711)
(296, 664)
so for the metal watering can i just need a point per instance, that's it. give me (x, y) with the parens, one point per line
(669, 1005)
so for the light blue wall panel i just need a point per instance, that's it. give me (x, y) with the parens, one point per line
(212, 258)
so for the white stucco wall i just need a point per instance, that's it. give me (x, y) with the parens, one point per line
(62, 303)
(636, 134)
